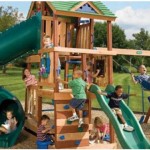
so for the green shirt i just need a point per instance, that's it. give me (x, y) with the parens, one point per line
(78, 88)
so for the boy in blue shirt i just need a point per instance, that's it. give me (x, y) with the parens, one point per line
(114, 103)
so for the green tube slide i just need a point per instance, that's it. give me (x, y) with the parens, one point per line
(128, 140)
(8, 102)
(20, 39)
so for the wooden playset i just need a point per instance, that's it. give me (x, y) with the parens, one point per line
(73, 44)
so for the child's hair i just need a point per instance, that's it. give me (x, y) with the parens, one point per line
(45, 117)
(141, 66)
(118, 87)
(98, 120)
(10, 112)
(46, 36)
(79, 72)
(23, 75)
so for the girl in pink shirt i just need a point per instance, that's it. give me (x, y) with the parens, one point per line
(30, 81)
(89, 73)
(101, 130)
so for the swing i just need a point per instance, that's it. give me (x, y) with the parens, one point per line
(145, 85)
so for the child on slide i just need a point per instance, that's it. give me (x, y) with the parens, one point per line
(10, 124)
(114, 103)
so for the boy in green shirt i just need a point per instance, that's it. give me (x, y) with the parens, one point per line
(79, 97)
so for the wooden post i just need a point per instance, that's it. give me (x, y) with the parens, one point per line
(83, 60)
(91, 34)
(66, 72)
(56, 56)
(109, 47)
(55, 30)
(147, 116)
(110, 69)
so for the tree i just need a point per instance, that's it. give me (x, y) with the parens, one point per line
(118, 39)
(8, 17)
(100, 35)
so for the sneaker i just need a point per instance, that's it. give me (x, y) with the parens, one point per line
(73, 118)
(80, 123)
(122, 126)
(128, 128)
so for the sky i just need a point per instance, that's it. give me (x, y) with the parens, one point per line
(131, 16)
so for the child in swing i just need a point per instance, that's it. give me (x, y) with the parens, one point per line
(89, 73)
(114, 103)
(142, 76)
(10, 123)
(48, 44)
(79, 97)
(29, 80)
(100, 131)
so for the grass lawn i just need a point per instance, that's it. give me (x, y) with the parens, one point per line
(12, 81)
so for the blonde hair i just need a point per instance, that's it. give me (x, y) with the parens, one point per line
(98, 120)
(79, 72)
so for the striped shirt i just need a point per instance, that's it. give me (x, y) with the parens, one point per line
(41, 136)
(31, 80)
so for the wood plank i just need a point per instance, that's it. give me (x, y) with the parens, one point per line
(33, 59)
(51, 85)
(85, 51)
(49, 18)
(98, 146)
(72, 129)
(67, 114)
(70, 143)
(45, 93)
(79, 14)
(48, 28)
(60, 107)
(63, 122)
(62, 96)
(74, 136)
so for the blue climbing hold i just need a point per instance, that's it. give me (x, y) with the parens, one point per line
(85, 113)
(66, 107)
(53, 126)
(62, 137)
(77, 142)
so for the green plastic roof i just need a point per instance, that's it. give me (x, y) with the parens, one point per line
(68, 5)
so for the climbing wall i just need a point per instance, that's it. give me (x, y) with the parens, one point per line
(68, 134)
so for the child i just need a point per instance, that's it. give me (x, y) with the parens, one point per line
(141, 77)
(114, 104)
(43, 130)
(10, 123)
(79, 96)
(89, 74)
(48, 44)
(30, 80)
(100, 130)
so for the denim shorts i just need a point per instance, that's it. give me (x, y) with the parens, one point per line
(77, 103)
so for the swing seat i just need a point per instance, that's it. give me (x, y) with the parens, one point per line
(9, 102)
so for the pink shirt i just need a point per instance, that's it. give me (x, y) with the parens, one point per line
(31, 80)
(89, 78)
(103, 128)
